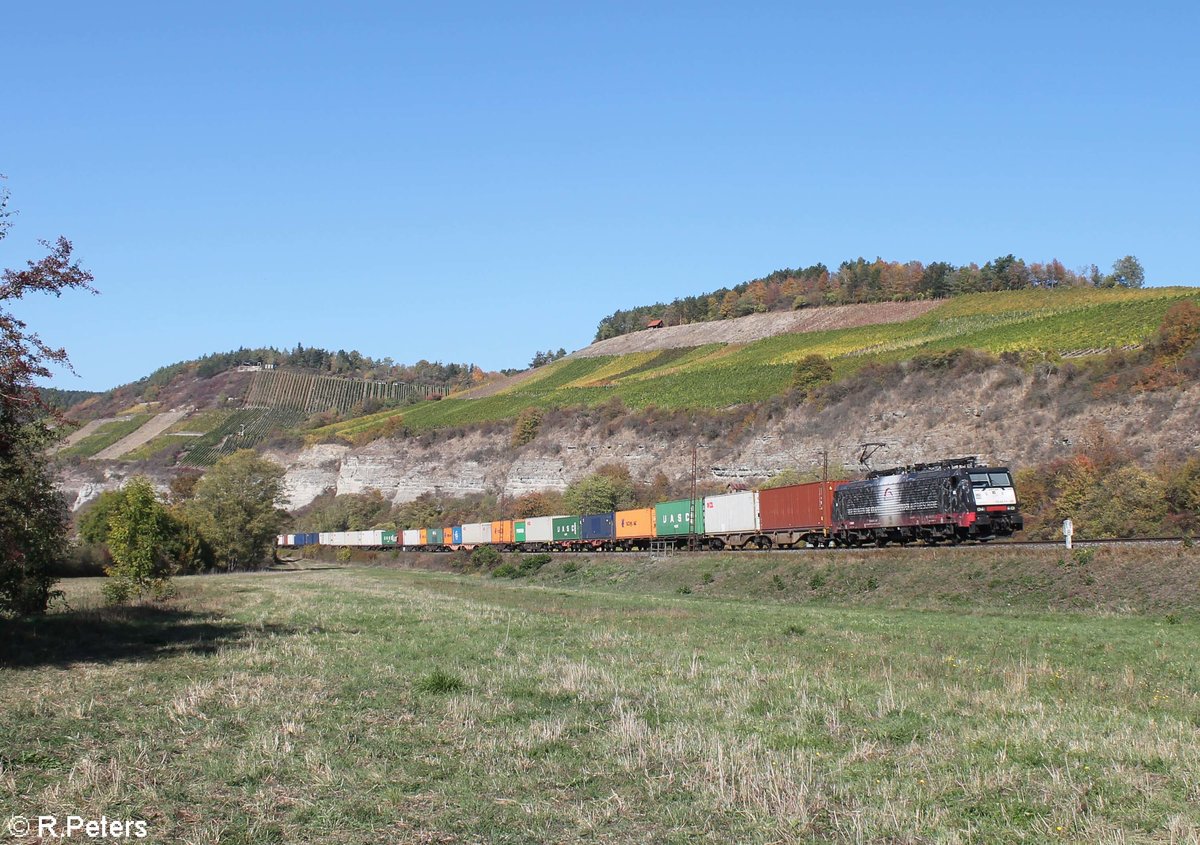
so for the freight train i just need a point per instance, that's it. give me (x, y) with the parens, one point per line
(948, 501)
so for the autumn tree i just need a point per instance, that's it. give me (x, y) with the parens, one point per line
(537, 503)
(526, 426)
(33, 514)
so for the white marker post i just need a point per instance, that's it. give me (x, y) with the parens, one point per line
(1068, 531)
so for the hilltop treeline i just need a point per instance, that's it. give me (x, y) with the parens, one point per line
(351, 364)
(866, 281)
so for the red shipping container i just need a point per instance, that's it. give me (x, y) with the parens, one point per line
(797, 506)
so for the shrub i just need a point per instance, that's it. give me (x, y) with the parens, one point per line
(526, 427)
(532, 563)
(777, 582)
(570, 567)
(811, 372)
(816, 581)
(486, 557)
(707, 577)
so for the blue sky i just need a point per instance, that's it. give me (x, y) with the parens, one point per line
(473, 182)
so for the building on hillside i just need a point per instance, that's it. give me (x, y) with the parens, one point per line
(654, 324)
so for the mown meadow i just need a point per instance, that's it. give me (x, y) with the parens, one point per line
(365, 705)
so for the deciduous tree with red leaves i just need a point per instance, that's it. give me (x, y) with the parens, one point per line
(33, 515)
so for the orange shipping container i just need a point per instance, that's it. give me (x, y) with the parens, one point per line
(502, 531)
(424, 536)
(447, 535)
(634, 524)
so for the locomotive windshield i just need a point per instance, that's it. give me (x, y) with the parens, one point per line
(990, 479)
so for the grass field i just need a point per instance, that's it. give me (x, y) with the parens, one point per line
(105, 436)
(376, 705)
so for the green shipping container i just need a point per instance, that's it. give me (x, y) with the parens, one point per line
(566, 528)
(389, 538)
(519, 531)
(674, 519)
(434, 536)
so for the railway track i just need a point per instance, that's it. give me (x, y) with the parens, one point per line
(1077, 544)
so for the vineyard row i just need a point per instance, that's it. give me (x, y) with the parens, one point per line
(313, 394)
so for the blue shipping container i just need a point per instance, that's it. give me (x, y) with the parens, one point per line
(600, 526)
(456, 533)
(311, 539)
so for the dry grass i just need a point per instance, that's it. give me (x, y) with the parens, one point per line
(290, 708)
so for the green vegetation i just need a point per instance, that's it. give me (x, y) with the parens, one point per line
(139, 529)
(389, 705)
(241, 429)
(1044, 322)
(314, 393)
(610, 488)
(105, 436)
(236, 507)
(869, 281)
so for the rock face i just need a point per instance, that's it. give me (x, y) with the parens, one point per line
(1003, 415)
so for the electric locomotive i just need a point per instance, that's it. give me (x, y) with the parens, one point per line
(947, 501)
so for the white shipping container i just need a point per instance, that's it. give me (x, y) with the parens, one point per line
(374, 538)
(279, 539)
(475, 533)
(540, 529)
(411, 537)
(731, 513)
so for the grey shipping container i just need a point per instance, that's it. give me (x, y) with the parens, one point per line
(540, 529)
(477, 533)
(731, 513)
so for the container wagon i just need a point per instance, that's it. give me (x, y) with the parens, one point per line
(598, 530)
(634, 529)
(797, 515)
(731, 520)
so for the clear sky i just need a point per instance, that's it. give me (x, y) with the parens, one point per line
(472, 182)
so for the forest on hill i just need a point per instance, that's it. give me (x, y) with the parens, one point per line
(314, 360)
(861, 281)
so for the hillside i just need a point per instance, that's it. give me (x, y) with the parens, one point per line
(900, 383)
(705, 371)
